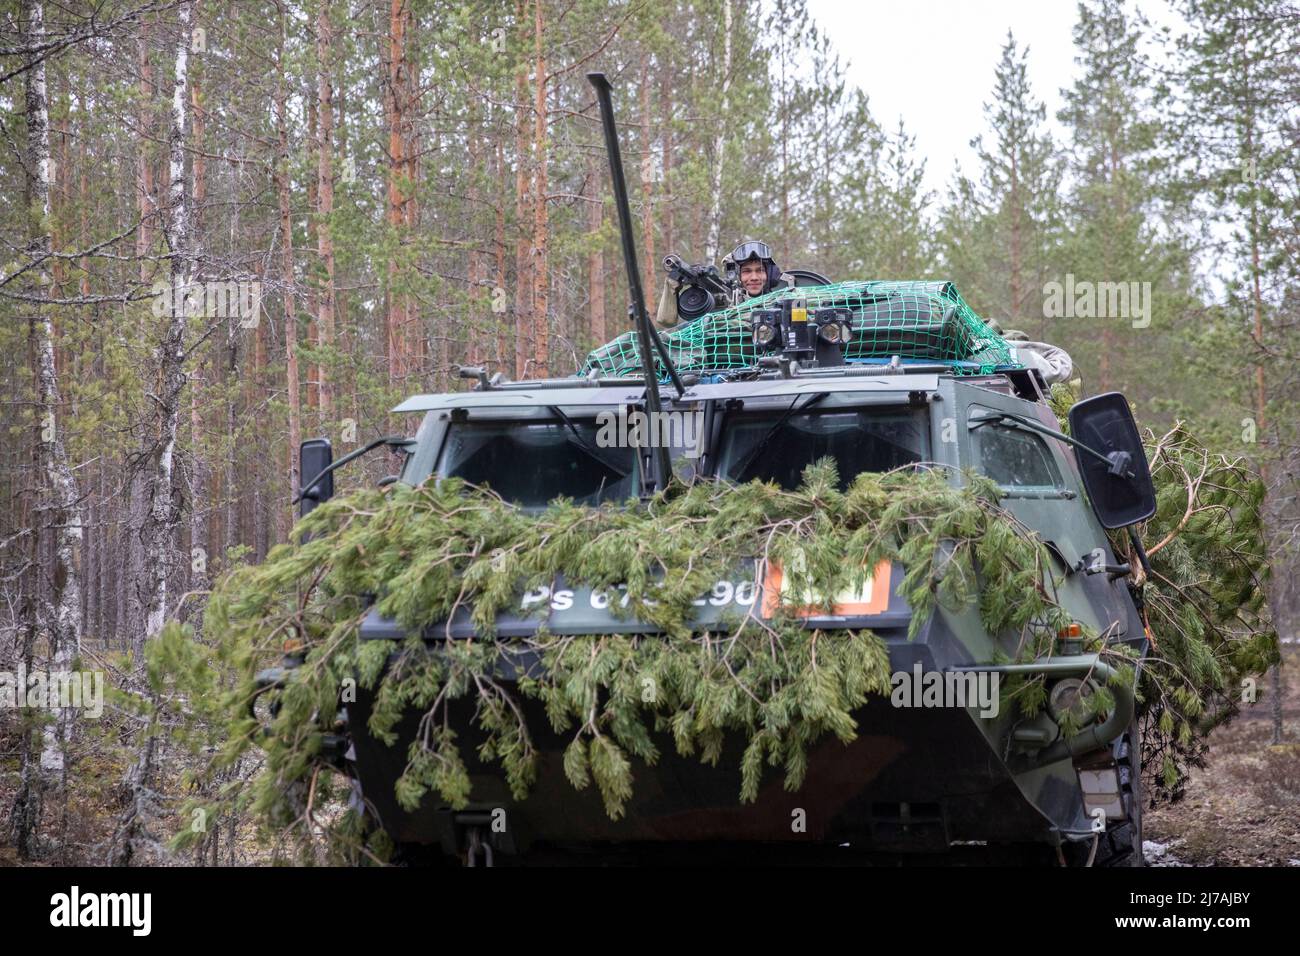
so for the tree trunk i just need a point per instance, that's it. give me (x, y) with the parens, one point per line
(396, 87)
(417, 351)
(1017, 247)
(258, 387)
(523, 151)
(160, 519)
(325, 200)
(145, 197)
(473, 347)
(60, 513)
(666, 130)
(1261, 350)
(719, 142)
(313, 299)
(169, 355)
(200, 499)
(596, 258)
(286, 267)
(541, 226)
(503, 339)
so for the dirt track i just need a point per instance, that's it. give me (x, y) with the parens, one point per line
(1243, 808)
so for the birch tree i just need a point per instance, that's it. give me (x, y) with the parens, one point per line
(169, 358)
(60, 601)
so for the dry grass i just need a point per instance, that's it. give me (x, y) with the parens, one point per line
(1243, 808)
(80, 832)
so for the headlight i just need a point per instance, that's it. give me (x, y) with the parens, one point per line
(764, 333)
(831, 332)
(1073, 696)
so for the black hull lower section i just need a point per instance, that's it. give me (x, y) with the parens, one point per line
(914, 779)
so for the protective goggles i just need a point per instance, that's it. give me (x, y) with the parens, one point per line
(750, 250)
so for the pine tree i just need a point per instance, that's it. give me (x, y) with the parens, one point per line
(1229, 118)
(889, 230)
(1118, 232)
(1000, 231)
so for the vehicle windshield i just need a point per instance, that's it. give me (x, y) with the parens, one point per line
(533, 463)
(874, 439)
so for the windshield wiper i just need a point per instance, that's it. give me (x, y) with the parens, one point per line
(582, 442)
(767, 437)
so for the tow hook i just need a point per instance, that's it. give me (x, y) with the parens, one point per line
(474, 835)
(478, 847)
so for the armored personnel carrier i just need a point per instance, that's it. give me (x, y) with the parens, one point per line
(875, 376)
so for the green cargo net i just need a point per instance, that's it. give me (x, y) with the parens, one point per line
(916, 321)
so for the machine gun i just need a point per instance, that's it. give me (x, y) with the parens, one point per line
(701, 289)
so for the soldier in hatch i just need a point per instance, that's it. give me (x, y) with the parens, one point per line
(751, 267)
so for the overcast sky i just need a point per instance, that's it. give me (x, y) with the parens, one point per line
(932, 61)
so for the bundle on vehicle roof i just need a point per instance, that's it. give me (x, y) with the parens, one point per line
(916, 321)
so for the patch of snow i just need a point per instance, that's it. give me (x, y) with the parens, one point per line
(1157, 854)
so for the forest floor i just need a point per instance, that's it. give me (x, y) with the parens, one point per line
(1243, 807)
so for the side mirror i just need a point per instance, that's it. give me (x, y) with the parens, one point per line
(1120, 489)
(314, 456)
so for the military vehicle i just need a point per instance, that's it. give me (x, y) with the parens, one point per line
(876, 375)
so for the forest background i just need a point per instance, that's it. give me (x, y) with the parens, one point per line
(373, 193)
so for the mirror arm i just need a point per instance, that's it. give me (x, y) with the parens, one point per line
(1113, 464)
(1001, 418)
(1140, 551)
(398, 440)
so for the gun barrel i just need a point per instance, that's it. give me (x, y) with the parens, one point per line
(677, 269)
